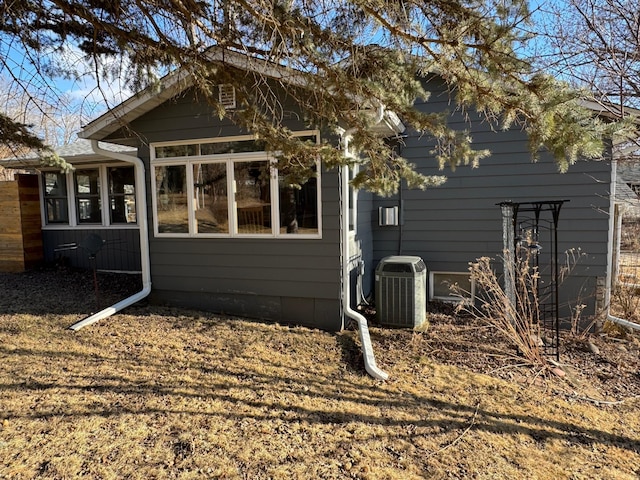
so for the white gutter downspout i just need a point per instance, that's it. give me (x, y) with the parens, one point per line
(363, 328)
(141, 209)
(617, 226)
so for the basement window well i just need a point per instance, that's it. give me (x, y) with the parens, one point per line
(452, 287)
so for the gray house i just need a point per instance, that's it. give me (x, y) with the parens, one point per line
(177, 193)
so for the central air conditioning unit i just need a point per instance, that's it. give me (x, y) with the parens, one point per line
(401, 291)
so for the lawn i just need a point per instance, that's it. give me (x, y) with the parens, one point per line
(159, 393)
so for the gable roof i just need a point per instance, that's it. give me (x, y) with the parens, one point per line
(180, 80)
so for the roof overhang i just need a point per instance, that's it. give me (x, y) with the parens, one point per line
(611, 111)
(79, 152)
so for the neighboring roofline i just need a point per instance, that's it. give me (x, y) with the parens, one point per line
(611, 111)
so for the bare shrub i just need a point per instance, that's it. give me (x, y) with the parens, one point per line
(518, 322)
(519, 319)
(626, 301)
(630, 238)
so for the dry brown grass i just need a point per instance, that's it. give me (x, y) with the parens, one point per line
(161, 393)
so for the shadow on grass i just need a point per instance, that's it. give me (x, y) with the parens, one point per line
(268, 392)
(63, 291)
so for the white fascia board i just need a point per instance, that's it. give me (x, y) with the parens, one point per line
(136, 106)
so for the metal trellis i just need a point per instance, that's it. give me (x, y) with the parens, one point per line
(530, 233)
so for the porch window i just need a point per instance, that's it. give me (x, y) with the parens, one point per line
(55, 197)
(122, 195)
(78, 198)
(87, 193)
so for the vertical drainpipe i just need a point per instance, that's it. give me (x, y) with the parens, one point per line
(363, 327)
(141, 210)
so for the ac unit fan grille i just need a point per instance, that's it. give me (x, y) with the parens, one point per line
(398, 300)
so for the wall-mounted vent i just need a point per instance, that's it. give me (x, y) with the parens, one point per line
(401, 291)
(452, 287)
(388, 216)
(227, 96)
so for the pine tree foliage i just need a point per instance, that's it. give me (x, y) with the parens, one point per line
(342, 59)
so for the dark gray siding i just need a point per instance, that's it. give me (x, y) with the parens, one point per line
(363, 245)
(287, 280)
(121, 251)
(452, 225)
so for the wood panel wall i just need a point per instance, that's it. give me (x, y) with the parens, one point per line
(20, 224)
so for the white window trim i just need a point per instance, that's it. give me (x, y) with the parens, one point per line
(229, 159)
(71, 201)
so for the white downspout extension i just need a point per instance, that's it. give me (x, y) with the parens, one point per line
(613, 225)
(363, 327)
(141, 208)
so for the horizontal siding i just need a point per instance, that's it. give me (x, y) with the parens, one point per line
(296, 280)
(121, 251)
(452, 225)
(367, 217)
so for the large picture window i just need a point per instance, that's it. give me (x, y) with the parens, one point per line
(229, 187)
(253, 196)
(171, 192)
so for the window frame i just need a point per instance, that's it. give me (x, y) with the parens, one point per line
(230, 160)
(44, 198)
(89, 197)
(72, 199)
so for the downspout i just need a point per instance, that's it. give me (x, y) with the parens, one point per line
(363, 327)
(617, 226)
(141, 208)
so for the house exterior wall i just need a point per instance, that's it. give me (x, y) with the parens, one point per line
(120, 253)
(362, 249)
(291, 280)
(454, 224)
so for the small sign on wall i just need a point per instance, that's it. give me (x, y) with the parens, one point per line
(388, 216)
